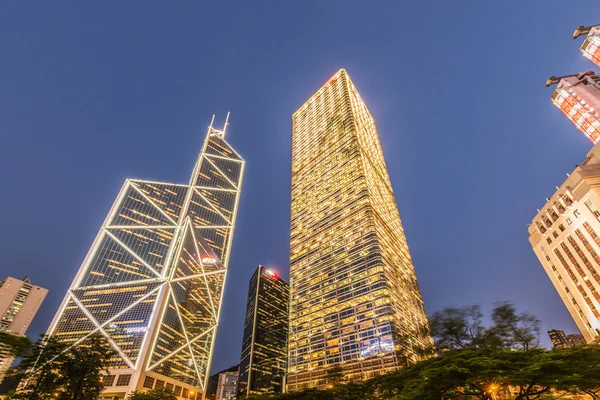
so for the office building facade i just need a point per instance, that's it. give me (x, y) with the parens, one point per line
(558, 339)
(565, 237)
(227, 386)
(355, 302)
(213, 382)
(153, 280)
(576, 339)
(19, 302)
(264, 347)
(578, 97)
(590, 48)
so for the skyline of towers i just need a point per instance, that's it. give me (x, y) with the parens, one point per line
(20, 300)
(153, 279)
(564, 233)
(355, 302)
(263, 362)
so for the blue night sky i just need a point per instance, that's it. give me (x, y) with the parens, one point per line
(92, 93)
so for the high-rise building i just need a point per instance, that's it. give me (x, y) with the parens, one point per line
(578, 97)
(227, 386)
(213, 382)
(591, 45)
(576, 339)
(558, 339)
(19, 302)
(565, 237)
(153, 279)
(264, 347)
(355, 302)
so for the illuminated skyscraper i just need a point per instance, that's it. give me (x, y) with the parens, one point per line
(355, 302)
(264, 347)
(565, 237)
(153, 279)
(558, 339)
(578, 97)
(591, 45)
(19, 302)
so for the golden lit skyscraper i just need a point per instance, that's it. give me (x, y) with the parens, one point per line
(355, 302)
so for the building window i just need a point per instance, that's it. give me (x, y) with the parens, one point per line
(597, 214)
(169, 386)
(548, 240)
(561, 227)
(185, 392)
(148, 382)
(555, 234)
(123, 380)
(177, 390)
(569, 221)
(159, 384)
(108, 380)
(576, 213)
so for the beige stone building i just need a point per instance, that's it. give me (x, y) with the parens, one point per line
(19, 302)
(565, 237)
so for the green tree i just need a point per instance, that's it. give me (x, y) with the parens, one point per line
(582, 370)
(461, 328)
(83, 368)
(534, 372)
(353, 391)
(458, 328)
(515, 330)
(156, 394)
(40, 370)
(335, 374)
(19, 346)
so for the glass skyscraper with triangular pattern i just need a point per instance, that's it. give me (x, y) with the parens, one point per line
(153, 279)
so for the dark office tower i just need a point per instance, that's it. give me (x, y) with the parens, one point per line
(264, 348)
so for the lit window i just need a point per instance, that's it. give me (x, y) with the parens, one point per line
(576, 213)
(569, 221)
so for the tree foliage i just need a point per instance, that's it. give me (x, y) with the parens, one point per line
(476, 362)
(53, 370)
(19, 346)
(155, 394)
(84, 367)
(461, 328)
(475, 373)
(40, 370)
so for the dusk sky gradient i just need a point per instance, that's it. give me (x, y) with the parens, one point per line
(92, 93)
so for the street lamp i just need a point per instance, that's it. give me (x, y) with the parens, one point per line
(493, 388)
